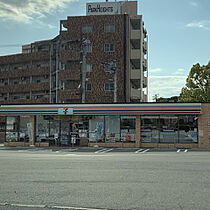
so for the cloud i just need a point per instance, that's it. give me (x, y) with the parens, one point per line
(204, 24)
(27, 11)
(166, 86)
(180, 72)
(193, 3)
(155, 70)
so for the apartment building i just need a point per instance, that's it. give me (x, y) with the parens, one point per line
(97, 58)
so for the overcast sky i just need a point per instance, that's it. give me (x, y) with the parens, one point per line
(179, 33)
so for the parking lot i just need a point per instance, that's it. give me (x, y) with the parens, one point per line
(98, 150)
(104, 178)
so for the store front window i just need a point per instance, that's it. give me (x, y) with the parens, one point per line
(96, 129)
(112, 128)
(169, 129)
(149, 129)
(18, 129)
(42, 128)
(188, 129)
(12, 129)
(128, 128)
(25, 132)
(62, 130)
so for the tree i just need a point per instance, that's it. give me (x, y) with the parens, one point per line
(172, 99)
(155, 97)
(197, 85)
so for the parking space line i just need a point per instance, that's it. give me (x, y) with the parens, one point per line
(146, 150)
(101, 150)
(48, 206)
(138, 151)
(107, 150)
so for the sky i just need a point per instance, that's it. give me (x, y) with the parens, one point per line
(178, 33)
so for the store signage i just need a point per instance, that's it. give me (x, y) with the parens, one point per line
(103, 8)
(65, 111)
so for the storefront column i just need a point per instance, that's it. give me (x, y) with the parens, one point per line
(33, 130)
(138, 130)
(203, 127)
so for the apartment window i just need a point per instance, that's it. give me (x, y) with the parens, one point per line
(109, 47)
(16, 97)
(89, 68)
(87, 28)
(109, 86)
(16, 82)
(88, 87)
(88, 47)
(109, 28)
(62, 66)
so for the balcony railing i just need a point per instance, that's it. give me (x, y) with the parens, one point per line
(135, 34)
(135, 74)
(135, 54)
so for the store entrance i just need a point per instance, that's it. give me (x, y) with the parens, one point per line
(69, 134)
(74, 132)
(63, 131)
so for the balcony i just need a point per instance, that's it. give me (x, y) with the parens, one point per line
(25, 72)
(25, 87)
(136, 24)
(145, 97)
(135, 34)
(135, 93)
(135, 44)
(145, 82)
(135, 74)
(26, 101)
(144, 65)
(71, 55)
(135, 54)
(70, 74)
(23, 58)
(135, 63)
(145, 47)
(69, 94)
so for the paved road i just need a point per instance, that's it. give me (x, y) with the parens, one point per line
(104, 178)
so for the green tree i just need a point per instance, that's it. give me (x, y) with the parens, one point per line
(197, 85)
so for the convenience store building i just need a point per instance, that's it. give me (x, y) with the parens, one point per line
(168, 125)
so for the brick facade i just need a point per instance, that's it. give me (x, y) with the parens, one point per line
(25, 77)
(203, 120)
(98, 38)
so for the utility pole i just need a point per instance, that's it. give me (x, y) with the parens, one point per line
(85, 44)
(83, 49)
(57, 72)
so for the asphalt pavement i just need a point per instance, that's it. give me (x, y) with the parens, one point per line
(104, 178)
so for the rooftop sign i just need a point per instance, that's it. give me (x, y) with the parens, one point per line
(103, 8)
